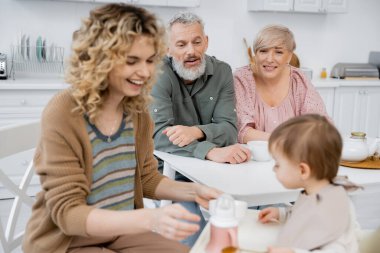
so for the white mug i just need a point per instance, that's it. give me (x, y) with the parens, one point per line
(259, 151)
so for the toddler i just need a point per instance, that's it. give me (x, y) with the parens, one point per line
(307, 152)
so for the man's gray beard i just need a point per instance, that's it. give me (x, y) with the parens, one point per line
(189, 74)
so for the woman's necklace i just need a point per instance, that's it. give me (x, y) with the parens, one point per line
(105, 117)
(111, 131)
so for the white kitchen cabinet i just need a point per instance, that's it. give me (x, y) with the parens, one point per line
(79, 0)
(357, 109)
(327, 94)
(137, 2)
(148, 2)
(337, 6)
(183, 3)
(167, 3)
(25, 101)
(308, 5)
(270, 5)
(311, 6)
(162, 3)
(21, 105)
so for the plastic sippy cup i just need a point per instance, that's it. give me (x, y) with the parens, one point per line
(224, 225)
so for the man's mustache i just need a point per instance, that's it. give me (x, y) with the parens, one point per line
(192, 58)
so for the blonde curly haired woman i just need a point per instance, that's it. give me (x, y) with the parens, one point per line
(95, 157)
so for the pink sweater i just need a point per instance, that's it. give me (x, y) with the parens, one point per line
(253, 112)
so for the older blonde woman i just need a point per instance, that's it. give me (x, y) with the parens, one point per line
(95, 156)
(270, 91)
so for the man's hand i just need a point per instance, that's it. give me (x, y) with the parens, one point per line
(183, 135)
(231, 154)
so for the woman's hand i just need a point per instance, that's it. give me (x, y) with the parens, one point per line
(269, 214)
(203, 194)
(172, 222)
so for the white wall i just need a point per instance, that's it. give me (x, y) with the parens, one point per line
(322, 40)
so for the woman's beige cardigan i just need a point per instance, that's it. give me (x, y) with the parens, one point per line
(63, 160)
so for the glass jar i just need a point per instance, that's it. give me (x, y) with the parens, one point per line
(323, 73)
(355, 148)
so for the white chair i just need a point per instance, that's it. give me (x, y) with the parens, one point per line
(13, 140)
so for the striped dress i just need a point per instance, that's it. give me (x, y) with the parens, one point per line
(114, 166)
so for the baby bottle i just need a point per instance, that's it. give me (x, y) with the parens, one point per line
(224, 225)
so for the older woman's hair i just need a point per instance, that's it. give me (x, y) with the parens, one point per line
(186, 18)
(272, 36)
(103, 42)
(309, 139)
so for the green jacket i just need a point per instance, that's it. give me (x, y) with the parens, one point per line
(210, 105)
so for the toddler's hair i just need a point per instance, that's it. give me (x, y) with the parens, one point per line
(309, 139)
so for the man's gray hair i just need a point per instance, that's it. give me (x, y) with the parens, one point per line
(185, 18)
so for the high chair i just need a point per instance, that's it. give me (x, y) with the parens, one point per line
(16, 139)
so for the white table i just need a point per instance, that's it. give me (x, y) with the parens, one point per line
(253, 182)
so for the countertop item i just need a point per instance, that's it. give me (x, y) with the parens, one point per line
(348, 70)
(355, 147)
(3, 67)
(39, 48)
(323, 74)
(358, 147)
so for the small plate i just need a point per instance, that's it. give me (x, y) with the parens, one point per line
(28, 48)
(43, 52)
(23, 46)
(39, 48)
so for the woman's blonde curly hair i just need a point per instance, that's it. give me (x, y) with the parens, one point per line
(101, 43)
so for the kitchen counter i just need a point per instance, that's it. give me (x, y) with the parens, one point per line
(333, 82)
(33, 83)
(59, 83)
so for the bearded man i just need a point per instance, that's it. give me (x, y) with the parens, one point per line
(193, 101)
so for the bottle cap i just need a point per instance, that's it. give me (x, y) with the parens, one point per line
(224, 214)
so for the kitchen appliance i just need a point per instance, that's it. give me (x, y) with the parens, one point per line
(354, 70)
(374, 59)
(3, 66)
